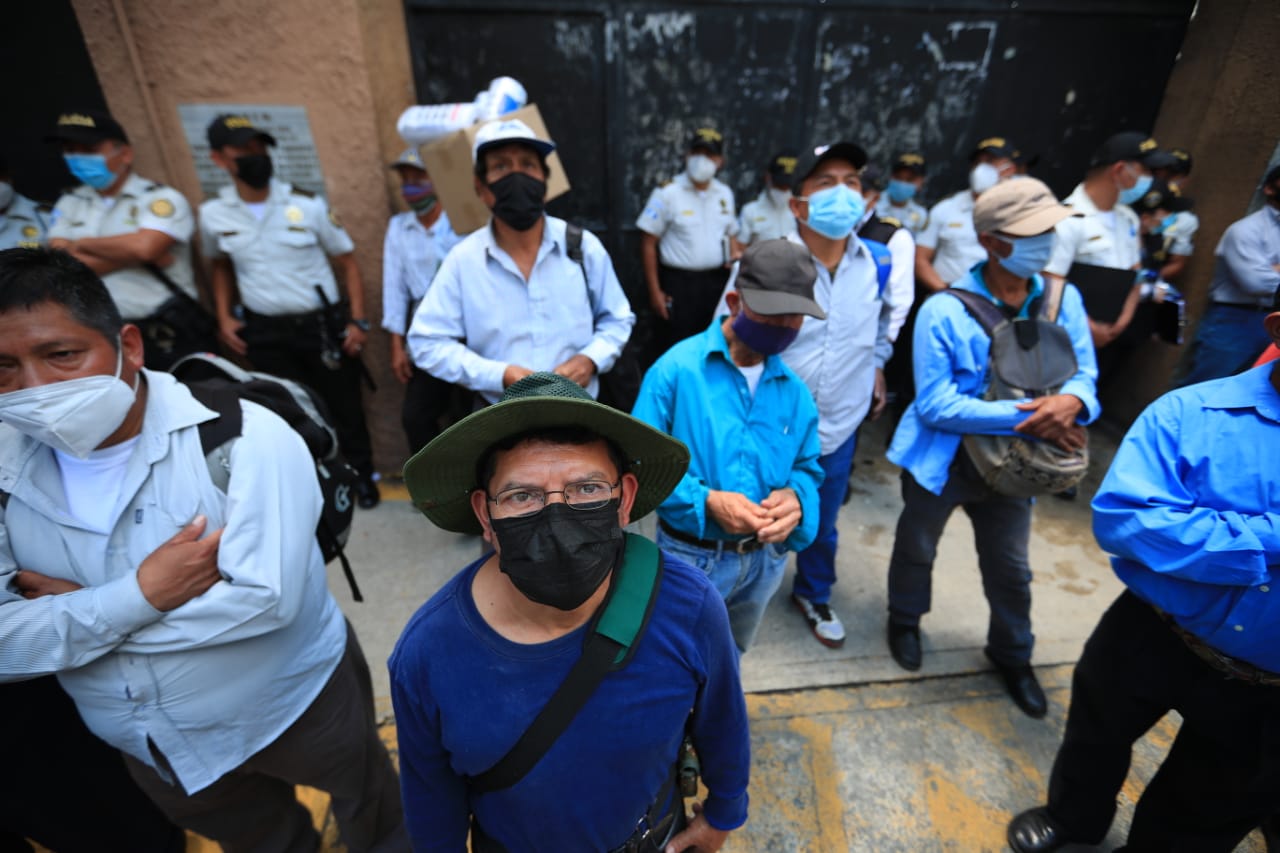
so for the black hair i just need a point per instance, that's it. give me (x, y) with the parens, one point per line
(31, 277)
(572, 435)
(480, 169)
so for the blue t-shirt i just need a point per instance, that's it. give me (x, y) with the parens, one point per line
(463, 695)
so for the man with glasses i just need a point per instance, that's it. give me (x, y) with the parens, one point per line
(550, 477)
(751, 492)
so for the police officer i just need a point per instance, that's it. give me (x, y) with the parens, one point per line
(1178, 228)
(417, 241)
(688, 228)
(134, 233)
(23, 223)
(769, 216)
(900, 200)
(899, 289)
(273, 243)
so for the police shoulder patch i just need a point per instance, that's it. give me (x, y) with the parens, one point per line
(333, 217)
(162, 207)
(303, 193)
(891, 220)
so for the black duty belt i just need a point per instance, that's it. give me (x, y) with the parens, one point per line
(1223, 663)
(738, 546)
(308, 318)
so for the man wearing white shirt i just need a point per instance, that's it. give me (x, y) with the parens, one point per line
(769, 216)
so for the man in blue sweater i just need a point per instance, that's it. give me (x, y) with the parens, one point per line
(550, 477)
(1188, 510)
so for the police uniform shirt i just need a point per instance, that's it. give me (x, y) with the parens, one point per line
(411, 255)
(140, 204)
(763, 220)
(690, 224)
(949, 232)
(1095, 238)
(280, 258)
(1180, 233)
(912, 215)
(23, 225)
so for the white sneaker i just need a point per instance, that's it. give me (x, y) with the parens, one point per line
(825, 624)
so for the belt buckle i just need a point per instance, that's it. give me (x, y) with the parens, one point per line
(745, 546)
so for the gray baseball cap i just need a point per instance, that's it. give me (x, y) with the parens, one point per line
(776, 277)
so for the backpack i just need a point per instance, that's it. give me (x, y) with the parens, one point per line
(620, 384)
(875, 235)
(1029, 357)
(220, 385)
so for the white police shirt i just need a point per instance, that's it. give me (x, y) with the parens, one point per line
(690, 224)
(140, 204)
(1102, 238)
(281, 257)
(1180, 233)
(762, 219)
(24, 225)
(950, 234)
(411, 255)
(912, 215)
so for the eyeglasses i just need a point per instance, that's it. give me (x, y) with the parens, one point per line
(524, 500)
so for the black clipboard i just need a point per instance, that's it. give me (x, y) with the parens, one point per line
(1104, 289)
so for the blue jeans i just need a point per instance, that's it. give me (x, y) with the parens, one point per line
(1228, 340)
(816, 565)
(1001, 532)
(746, 582)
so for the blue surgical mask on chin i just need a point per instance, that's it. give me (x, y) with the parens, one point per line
(91, 169)
(1137, 191)
(1029, 255)
(835, 211)
(901, 192)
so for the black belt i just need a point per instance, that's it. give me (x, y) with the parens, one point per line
(1227, 665)
(308, 318)
(738, 546)
(1244, 306)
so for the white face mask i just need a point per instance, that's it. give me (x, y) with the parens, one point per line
(6, 195)
(983, 177)
(74, 416)
(780, 198)
(700, 168)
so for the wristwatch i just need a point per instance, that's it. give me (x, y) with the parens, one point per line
(361, 324)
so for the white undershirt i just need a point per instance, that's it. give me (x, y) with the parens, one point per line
(752, 374)
(257, 208)
(92, 485)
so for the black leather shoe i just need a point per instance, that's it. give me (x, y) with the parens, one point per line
(904, 645)
(1022, 685)
(1034, 831)
(367, 494)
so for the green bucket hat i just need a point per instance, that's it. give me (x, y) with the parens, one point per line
(442, 475)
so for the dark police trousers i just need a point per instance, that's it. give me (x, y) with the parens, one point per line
(694, 296)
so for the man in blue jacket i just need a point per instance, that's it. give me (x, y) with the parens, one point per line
(1015, 221)
(1188, 510)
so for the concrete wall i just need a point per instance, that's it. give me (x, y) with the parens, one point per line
(346, 61)
(1220, 105)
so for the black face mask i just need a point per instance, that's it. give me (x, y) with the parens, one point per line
(560, 556)
(519, 200)
(254, 169)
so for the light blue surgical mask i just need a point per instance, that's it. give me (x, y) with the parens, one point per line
(91, 169)
(901, 192)
(1029, 255)
(1137, 191)
(1165, 223)
(835, 211)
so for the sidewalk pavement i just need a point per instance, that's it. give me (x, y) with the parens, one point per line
(849, 751)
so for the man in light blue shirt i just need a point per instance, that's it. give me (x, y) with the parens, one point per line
(510, 299)
(416, 244)
(751, 491)
(1246, 273)
(1189, 511)
(1014, 221)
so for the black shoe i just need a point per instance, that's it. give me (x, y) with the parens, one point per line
(367, 495)
(1068, 494)
(1034, 831)
(904, 645)
(1022, 685)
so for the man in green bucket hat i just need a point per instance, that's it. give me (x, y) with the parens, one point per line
(507, 726)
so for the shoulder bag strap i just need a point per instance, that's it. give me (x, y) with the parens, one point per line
(980, 308)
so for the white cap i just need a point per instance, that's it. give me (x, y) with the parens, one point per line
(410, 157)
(509, 130)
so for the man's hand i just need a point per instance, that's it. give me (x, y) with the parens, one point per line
(353, 341)
(35, 585)
(784, 509)
(580, 369)
(699, 835)
(182, 568)
(660, 303)
(879, 394)
(513, 374)
(229, 333)
(735, 513)
(1054, 419)
(401, 365)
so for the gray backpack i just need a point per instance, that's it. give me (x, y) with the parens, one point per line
(1030, 357)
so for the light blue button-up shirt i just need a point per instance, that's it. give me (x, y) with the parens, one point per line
(1244, 271)
(481, 315)
(1191, 511)
(951, 352)
(411, 256)
(737, 442)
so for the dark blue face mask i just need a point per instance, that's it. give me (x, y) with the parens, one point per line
(763, 338)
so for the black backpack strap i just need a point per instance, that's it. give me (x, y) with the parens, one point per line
(989, 316)
(230, 421)
(609, 646)
(573, 247)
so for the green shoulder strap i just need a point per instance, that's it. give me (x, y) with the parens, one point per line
(609, 647)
